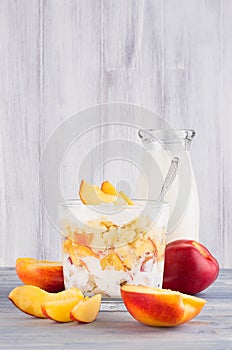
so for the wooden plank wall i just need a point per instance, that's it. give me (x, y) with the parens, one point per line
(60, 56)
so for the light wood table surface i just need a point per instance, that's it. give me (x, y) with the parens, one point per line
(212, 329)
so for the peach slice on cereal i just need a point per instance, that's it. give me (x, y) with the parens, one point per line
(126, 198)
(91, 194)
(108, 188)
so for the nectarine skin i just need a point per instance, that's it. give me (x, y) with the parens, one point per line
(44, 274)
(153, 310)
(189, 267)
(160, 307)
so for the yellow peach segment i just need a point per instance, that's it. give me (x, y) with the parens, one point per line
(160, 307)
(91, 194)
(45, 274)
(77, 251)
(83, 251)
(126, 253)
(86, 311)
(30, 298)
(112, 260)
(108, 224)
(108, 188)
(126, 198)
(59, 310)
(67, 245)
(129, 261)
(69, 249)
(144, 246)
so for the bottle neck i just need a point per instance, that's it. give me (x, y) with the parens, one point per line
(167, 139)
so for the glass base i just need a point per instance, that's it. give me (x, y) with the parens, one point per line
(112, 304)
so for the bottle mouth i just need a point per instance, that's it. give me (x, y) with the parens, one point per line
(166, 135)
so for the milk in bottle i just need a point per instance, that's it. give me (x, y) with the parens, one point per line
(160, 146)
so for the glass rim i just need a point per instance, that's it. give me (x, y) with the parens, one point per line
(139, 203)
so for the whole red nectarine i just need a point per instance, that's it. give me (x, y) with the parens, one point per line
(189, 267)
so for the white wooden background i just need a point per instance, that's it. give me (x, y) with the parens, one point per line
(60, 56)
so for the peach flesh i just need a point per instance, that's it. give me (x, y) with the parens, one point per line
(159, 307)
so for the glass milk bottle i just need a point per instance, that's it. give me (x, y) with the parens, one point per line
(160, 146)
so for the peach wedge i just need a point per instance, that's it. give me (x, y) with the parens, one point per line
(30, 298)
(160, 307)
(86, 311)
(112, 260)
(47, 275)
(59, 310)
(108, 188)
(91, 194)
